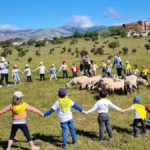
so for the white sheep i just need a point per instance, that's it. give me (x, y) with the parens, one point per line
(81, 80)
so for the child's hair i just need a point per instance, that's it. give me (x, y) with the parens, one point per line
(61, 95)
(103, 93)
(62, 92)
(15, 99)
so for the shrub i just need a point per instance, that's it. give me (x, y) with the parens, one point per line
(92, 50)
(29, 59)
(134, 50)
(37, 53)
(72, 53)
(69, 50)
(99, 51)
(4, 54)
(125, 50)
(109, 57)
(83, 52)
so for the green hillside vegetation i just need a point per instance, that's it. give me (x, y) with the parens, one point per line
(46, 132)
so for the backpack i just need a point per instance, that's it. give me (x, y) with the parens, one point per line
(148, 107)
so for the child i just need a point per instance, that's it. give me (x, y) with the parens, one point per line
(128, 68)
(64, 68)
(42, 69)
(144, 72)
(53, 72)
(94, 68)
(103, 67)
(108, 68)
(19, 110)
(16, 74)
(27, 72)
(136, 71)
(74, 69)
(63, 107)
(139, 115)
(102, 106)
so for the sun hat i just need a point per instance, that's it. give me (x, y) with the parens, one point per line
(26, 65)
(127, 62)
(3, 59)
(18, 94)
(41, 63)
(52, 65)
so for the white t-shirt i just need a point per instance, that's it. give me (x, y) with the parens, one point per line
(63, 116)
(41, 69)
(27, 72)
(4, 68)
(136, 115)
(103, 105)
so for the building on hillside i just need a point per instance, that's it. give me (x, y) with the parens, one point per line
(16, 43)
(138, 28)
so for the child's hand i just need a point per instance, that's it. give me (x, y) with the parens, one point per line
(42, 114)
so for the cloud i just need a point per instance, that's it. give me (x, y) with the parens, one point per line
(8, 27)
(110, 12)
(81, 21)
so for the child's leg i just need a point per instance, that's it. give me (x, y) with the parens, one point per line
(108, 128)
(43, 76)
(51, 77)
(14, 129)
(72, 131)
(15, 81)
(101, 127)
(64, 127)
(135, 127)
(143, 126)
(40, 77)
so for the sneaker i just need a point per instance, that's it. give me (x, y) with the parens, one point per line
(136, 136)
(100, 141)
(0, 86)
(7, 148)
(64, 147)
(111, 139)
(8, 85)
(35, 148)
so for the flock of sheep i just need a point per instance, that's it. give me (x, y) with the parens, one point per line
(112, 84)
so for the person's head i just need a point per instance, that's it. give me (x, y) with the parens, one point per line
(15, 66)
(52, 65)
(64, 62)
(17, 97)
(137, 99)
(41, 63)
(92, 62)
(3, 59)
(135, 66)
(103, 93)
(127, 62)
(144, 67)
(26, 66)
(62, 92)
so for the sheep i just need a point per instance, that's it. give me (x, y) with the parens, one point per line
(93, 81)
(141, 81)
(82, 81)
(131, 83)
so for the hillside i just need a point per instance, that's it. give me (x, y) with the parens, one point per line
(46, 132)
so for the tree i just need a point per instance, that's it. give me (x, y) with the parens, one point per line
(147, 46)
(113, 45)
(77, 35)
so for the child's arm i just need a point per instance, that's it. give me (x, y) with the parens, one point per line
(92, 109)
(36, 69)
(33, 109)
(6, 109)
(115, 107)
(126, 110)
(49, 112)
(77, 107)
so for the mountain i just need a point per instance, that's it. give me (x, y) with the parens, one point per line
(45, 33)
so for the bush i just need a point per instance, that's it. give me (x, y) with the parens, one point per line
(69, 50)
(72, 53)
(134, 50)
(4, 54)
(22, 53)
(83, 53)
(87, 39)
(113, 45)
(92, 50)
(29, 59)
(99, 51)
(37, 53)
(125, 50)
(120, 52)
(109, 57)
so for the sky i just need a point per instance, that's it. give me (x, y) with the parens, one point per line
(35, 14)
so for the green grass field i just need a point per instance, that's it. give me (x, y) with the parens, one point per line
(46, 132)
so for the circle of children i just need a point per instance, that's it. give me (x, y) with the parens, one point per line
(87, 67)
(63, 105)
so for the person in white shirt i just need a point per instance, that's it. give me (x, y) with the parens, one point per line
(102, 106)
(4, 66)
(63, 107)
(65, 69)
(42, 70)
(27, 73)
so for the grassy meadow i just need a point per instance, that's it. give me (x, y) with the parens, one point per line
(46, 132)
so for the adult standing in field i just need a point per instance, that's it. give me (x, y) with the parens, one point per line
(86, 63)
(64, 68)
(118, 65)
(4, 66)
(42, 70)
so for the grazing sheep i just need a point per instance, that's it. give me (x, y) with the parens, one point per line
(141, 81)
(82, 81)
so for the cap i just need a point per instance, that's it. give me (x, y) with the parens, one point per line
(52, 65)
(127, 61)
(41, 63)
(18, 94)
(136, 99)
(26, 65)
(62, 91)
